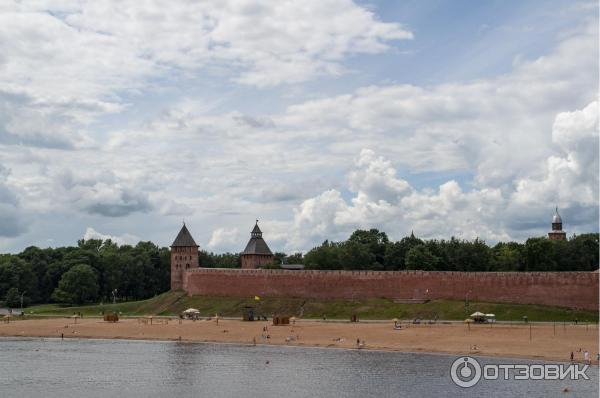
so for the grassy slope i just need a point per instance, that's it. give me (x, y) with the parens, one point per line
(172, 303)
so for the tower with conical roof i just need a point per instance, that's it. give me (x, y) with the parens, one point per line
(557, 233)
(184, 255)
(257, 253)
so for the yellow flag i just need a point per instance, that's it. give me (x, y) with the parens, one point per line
(256, 298)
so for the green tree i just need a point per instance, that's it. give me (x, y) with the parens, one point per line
(420, 258)
(112, 273)
(53, 274)
(295, 258)
(38, 259)
(471, 256)
(78, 285)
(374, 241)
(206, 259)
(579, 254)
(326, 256)
(540, 255)
(13, 298)
(355, 255)
(224, 260)
(16, 272)
(506, 257)
(395, 253)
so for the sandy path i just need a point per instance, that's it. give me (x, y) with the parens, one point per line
(546, 342)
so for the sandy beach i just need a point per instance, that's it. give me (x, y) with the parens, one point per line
(547, 342)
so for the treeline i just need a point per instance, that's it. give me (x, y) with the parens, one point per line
(224, 260)
(97, 270)
(94, 270)
(372, 250)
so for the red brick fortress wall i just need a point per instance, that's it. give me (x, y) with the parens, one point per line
(251, 261)
(565, 289)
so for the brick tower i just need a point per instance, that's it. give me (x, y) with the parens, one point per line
(256, 253)
(557, 233)
(184, 255)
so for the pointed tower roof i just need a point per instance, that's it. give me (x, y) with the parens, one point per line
(556, 218)
(184, 238)
(256, 244)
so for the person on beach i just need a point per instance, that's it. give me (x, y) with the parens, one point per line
(572, 356)
(586, 357)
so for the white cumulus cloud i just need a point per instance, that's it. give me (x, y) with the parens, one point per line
(385, 201)
(223, 238)
(571, 176)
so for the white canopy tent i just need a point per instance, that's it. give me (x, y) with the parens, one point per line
(191, 313)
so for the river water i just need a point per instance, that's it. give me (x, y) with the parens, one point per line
(123, 368)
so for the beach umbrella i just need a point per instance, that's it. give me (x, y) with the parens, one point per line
(490, 315)
(191, 311)
(477, 314)
(395, 320)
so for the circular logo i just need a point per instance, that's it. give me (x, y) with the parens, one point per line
(465, 372)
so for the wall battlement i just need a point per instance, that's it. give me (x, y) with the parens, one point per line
(565, 289)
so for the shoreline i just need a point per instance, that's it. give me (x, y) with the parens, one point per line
(498, 341)
(313, 347)
(241, 344)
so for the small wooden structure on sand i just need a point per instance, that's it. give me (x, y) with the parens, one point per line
(113, 317)
(280, 320)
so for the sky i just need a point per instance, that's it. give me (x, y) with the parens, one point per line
(122, 119)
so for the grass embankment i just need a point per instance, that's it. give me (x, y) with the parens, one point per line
(172, 303)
